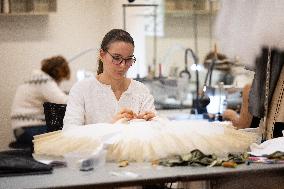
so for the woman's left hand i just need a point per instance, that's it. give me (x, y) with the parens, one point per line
(146, 115)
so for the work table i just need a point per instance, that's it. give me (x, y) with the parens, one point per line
(244, 176)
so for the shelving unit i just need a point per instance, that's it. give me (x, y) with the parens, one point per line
(28, 7)
(190, 7)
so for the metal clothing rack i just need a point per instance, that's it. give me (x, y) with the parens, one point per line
(195, 27)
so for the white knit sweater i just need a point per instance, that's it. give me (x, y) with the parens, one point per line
(27, 108)
(93, 102)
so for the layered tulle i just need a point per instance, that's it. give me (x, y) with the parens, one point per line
(146, 141)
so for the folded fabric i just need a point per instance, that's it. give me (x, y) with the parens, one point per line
(19, 162)
(268, 147)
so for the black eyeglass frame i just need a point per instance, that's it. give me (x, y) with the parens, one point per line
(119, 62)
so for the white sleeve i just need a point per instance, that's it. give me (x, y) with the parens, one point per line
(52, 93)
(148, 103)
(75, 110)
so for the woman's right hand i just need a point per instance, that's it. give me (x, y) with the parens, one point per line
(146, 115)
(230, 115)
(124, 113)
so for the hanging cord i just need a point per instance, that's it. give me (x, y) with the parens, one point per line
(267, 79)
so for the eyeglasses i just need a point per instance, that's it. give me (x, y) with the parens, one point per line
(117, 60)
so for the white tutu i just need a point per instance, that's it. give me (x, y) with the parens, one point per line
(147, 140)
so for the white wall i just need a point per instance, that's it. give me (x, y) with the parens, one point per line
(26, 40)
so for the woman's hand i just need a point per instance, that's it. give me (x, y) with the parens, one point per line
(146, 115)
(230, 115)
(124, 113)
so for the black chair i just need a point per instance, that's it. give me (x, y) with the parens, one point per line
(19, 146)
(54, 114)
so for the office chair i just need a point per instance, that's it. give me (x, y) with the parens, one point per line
(54, 114)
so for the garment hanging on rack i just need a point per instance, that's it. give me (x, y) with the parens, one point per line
(275, 117)
(257, 92)
(243, 28)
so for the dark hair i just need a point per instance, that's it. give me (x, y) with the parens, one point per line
(113, 36)
(56, 67)
(211, 55)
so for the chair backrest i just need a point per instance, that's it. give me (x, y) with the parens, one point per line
(54, 114)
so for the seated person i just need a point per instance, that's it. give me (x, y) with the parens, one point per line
(243, 120)
(110, 96)
(27, 116)
(222, 68)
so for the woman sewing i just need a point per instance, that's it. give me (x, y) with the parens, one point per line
(110, 96)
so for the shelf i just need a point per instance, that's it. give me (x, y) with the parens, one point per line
(183, 13)
(25, 14)
(181, 8)
(29, 7)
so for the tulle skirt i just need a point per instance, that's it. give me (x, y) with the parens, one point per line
(146, 140)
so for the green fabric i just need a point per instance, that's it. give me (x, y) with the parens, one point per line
(197, 158)
(276, 155)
